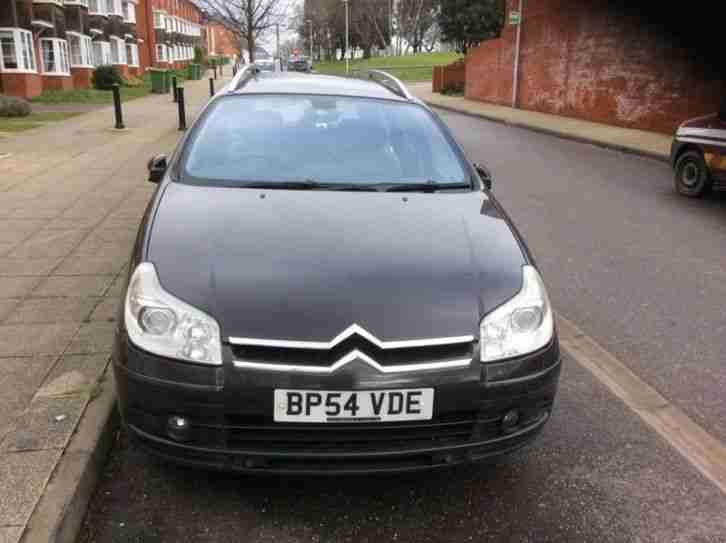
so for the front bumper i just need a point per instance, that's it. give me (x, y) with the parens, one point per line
(231, 427)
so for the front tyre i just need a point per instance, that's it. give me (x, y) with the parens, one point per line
(692, 176)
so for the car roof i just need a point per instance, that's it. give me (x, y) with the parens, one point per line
(297, 83)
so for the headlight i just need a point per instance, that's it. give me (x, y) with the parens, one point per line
(159, 323)
(522, 325)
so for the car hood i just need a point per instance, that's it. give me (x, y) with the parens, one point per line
(306, 265)
(699, 122)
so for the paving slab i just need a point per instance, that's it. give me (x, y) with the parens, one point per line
(23, 477)
(35, 339)
(51, 310)
(75, 285)
(73, 374)
(47, 424)
(28, 266)
(10, 534)
(93, 338)
(17, 287)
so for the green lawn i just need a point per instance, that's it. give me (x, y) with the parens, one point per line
(34, 120)
(408, 68)
(91, 96)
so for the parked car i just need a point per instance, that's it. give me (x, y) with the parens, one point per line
(265, 64)
(698, 154)
(299, 64)
(322, 283)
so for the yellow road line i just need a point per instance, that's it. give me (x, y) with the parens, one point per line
(706, 453)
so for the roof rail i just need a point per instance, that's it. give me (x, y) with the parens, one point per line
(389, 81)
(242, 77)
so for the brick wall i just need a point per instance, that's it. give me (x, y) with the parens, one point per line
(580, 58)
(451, 76)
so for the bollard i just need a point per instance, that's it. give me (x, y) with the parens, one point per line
(182, 112)
(211, 87)
(215, 71)
(117, 107)
(174, 88)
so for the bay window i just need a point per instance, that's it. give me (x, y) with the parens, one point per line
(118, 51)
(101, 53)
(54, 54)
(161, 53)
(129, 11)
(16, 50)
(159, 20)
(132, 54)
(81, 50)
(97, 7)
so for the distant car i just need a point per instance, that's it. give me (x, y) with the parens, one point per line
(299, 64)
(698, 154)
(265, 65)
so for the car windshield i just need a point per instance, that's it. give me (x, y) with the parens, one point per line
(325, 139)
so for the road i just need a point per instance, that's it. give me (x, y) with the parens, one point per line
(636, 268)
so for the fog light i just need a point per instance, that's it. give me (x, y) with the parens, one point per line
(178, 428)
(510, 420)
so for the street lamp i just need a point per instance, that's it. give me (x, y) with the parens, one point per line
(390, 24)
(347, 39)
(310, 22)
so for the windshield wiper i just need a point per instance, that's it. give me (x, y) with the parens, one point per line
(426, 186)
(307, 184)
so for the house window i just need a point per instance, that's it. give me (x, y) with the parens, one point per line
(118, 51)
(132, 54)
(54, 53)
(101, 53)
(129, 11)
(159, 20)
(97, 7)
(161, 53)
(81, 50)
(16, 50)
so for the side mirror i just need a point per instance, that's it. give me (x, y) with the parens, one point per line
(485, 175)
(157, 168)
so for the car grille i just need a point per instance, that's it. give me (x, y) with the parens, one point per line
(325, 358)
(246, 433)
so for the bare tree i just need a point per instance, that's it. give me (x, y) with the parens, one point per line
(247, 19)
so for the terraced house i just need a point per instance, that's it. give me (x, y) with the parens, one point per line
(56, 44)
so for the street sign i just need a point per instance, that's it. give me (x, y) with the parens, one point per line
(515, 17)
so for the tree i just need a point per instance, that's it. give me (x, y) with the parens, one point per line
(466, 23)
(247, 20)
(415, 21)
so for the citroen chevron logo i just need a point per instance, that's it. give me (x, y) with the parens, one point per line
(352, 356)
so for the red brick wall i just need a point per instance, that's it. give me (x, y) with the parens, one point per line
(22, 85)
(81, 77)
(580, 59)
(57, 82)
(450, 76)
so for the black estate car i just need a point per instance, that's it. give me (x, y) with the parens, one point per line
(322, 283)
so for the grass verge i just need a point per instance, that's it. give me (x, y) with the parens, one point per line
(407, 68)
(91, 96)
(34, 120)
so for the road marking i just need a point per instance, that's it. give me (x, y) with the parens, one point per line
(706, 453)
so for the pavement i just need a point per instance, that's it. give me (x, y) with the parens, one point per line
(71, 197)
(641, 142)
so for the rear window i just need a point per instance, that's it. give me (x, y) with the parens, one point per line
(328, 139)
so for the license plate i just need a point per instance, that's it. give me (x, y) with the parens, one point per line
(353, 405)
